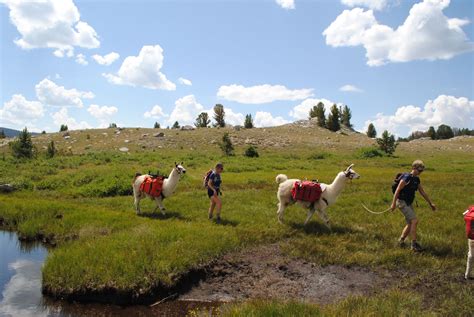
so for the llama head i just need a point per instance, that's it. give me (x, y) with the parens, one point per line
(179, 168)
(350, 173)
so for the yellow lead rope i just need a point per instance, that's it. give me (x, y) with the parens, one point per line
(375, 212)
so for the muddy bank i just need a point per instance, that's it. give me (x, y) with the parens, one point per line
(265, 272)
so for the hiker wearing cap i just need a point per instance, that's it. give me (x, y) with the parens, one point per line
(403, 197)
(213, 191)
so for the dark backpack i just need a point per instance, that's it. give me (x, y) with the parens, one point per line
(396, 181)
(205, 181)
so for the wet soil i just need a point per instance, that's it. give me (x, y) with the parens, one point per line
(265, 272)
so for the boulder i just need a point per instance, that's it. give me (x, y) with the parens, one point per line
(187, 128)
(159, 135)
(124, 149)
(6, 188)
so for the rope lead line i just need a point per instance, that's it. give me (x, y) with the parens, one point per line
(375, 212)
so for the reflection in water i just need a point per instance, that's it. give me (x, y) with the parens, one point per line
(20, 289)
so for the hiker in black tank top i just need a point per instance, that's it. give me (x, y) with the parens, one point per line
(403, 199)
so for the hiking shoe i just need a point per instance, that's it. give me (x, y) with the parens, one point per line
(218, 220)
(401, 243)
(416, 247)
(209, 216)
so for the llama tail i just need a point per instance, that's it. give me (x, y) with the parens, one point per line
(281, 178)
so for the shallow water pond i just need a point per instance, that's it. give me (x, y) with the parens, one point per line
(20, 289)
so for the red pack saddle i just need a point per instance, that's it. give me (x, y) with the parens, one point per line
(152, 186)
(306, 191)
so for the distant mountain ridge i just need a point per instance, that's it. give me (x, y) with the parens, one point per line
(11, 133)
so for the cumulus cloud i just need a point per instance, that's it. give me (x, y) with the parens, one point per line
(186, 110)
(102, 113)
(266, 119)
(301, 111)
(20, 112)
(81, 59)
(185, 81)
(106, 60)
(350, 88)
(456, 112)
(231, 117)
(21, 292)
(426, 34)
(49, 93)
(286, 4)
(372, 4)
(50, 24)
(156, 112)
(63, 117)
(261, 93)
(143, 70)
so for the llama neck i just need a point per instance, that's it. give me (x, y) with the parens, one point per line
(169, 184)
(337, 185)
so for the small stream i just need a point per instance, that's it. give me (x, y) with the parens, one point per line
(20, 289)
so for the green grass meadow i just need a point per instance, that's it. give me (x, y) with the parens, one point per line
(83, 204)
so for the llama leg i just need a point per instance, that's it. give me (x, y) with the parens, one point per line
(322, 214)
(310, 214)
(280, 211)
(136, 202)
(159, 204)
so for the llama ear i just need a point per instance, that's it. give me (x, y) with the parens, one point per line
(175, 164)
(349, 168)
(182, 162)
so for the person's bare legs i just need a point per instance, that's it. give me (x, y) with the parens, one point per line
(211, 208)
(413, 224)
(218, 203)
(405, 233)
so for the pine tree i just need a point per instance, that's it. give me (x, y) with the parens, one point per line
(248, 124)
(444, 132)
(371, 132)
(387, 142)
(23, 147)
(432, 133)
(219, 115)
(333, 119)
(175, 125)
(319, 112)
(2, 134)
(226, 146)
(112, 126)
(346, 116)
(202, 121)
(51, 151)
(63, 128)
(157, 125)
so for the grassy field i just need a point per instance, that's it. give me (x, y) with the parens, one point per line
(81, 201)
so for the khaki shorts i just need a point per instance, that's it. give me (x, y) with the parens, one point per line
(407, 210)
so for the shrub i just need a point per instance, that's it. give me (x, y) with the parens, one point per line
(369, 152)
(23, 147)
(387, 142)
(226, 146)
(251, 151)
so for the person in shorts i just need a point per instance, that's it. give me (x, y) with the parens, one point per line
(403, 198)
(214, 191)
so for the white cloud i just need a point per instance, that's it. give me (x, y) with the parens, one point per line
(231, 117)
(156, 112)
(426, 34)
(186, 110)
(62, 117)
(456, 112)
(106, 59)
(20, 112)
(350, 88)
(286, 4)
(21, 292)
(49, 93)
(261, 93)
(301, 111)
(266, 119)
(371, 4)
(185, 81)
(81, 59)
(103, 114)
(143, 70)
(50, 24)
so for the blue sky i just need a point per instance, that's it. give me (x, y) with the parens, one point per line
(262, 57)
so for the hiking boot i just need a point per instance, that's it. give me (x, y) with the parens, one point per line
(401, 243)
(209, 216)
(218, 220)
(416, 247)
